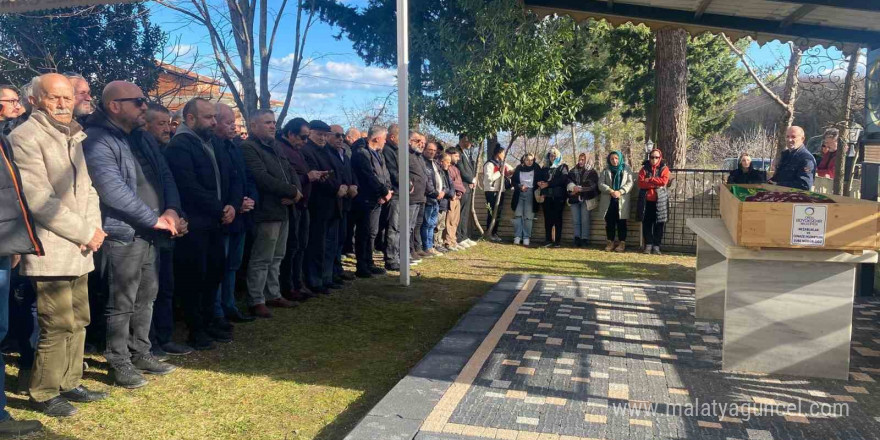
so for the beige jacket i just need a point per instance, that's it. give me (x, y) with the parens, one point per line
(606, 180)
(60, 195)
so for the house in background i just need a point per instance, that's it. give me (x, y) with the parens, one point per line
(176, 86)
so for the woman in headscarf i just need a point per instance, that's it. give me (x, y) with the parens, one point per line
(523, 204)
(554, 179)
(745, 173)
(653, 204)
(615, 185)
(583, 196)
(495, 174)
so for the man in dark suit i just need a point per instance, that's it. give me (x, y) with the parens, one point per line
(324, 207)
(340, 154)
(468, 169)
(374, 193)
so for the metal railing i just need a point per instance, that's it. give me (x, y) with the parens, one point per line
(692, 193)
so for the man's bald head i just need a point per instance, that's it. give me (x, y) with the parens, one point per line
(225, 128)
(794, 137)
(125, 105)
(54, 96)
(352, 135)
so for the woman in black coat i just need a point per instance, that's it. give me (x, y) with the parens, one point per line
(552, 183)
(744, 174)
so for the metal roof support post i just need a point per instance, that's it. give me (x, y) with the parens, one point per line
(403, 139)
(870, 165)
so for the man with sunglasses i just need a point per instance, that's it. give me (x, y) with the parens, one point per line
(141, 210)
(340, 154)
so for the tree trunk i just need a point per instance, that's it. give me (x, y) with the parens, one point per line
(574, 145)
(671, 61)
(789, 96)
(843, 126)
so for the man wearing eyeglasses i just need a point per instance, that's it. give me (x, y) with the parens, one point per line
(67, 218)
(141, 210)
(10, 108)
(340, 155)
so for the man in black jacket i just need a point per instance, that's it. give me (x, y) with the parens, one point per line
(375, 191)
(18, 238)
(419, 192)
(324, 207)
(797, 167)
(203, 175)
(467, 166)
(279, 190)
(340, 155)
(389, 229)
(140, 208)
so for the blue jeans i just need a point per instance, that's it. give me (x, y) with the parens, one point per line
(580, 216)
(5, 279)
(331, 249)
(524, 216)
(432, 212)
(234, 246)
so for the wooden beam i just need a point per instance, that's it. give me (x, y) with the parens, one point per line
(859, 5)
(701, 9)
(798, 14)
(818, 33)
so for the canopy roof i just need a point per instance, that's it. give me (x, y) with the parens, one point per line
(7, 6)
(840, 23)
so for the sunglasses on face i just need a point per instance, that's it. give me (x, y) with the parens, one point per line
(655, 157)
(338, 135)
(138, 102)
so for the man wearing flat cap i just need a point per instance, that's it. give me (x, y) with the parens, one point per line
(324, 206)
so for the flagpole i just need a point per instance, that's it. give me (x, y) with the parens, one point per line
(403, 140)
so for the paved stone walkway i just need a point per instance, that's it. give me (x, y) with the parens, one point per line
(552, 358)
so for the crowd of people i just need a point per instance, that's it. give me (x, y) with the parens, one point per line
(116, 208)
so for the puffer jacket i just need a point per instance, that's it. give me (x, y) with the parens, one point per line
(60, 195)
(16, 221)
(111, 163)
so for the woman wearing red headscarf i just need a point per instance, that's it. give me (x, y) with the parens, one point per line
(652, 209)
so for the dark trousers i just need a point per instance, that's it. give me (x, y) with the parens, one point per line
(297, 242)
(366, 227)
(96, 331)
(553, 214)
(348, 243)
(416, 218)
(199, 264)
(331, 251)
(464, 225)
(343, 241)
(391, 241)
(163, 308)
(613, 222)
(5, 283)
(24, 331)
(314, 266)
(652, 230)
(491, 198)
(132, 286)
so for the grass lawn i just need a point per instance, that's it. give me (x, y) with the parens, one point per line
(314, 371)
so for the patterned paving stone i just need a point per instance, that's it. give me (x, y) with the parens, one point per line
(621, 360)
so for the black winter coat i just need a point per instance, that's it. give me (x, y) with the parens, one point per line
(275, 179)
(752, 177)
(196, 181)
(112, 167)
(245, 183)
(557, 180)
(372, 176)
(342, 169)
(389, 154)
(796, 169)
(418, 179)
(431, 191)
(16, 224)
(468, 167)
(588, 180)
(323, 201)
(515, 180)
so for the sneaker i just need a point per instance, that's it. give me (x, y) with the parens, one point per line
(393, 267)
(656, 250)
(222, 324)
(424, 254)
(556, 245)
(516, 240)
(442, 249)
(150, 365)
(471, 242)
(347, 276)
(647, 249)
(495, 238)
(377, 270)
(238, 317)
(82, 394)
(363, 274)
(610, 245)
(260, 311)
(621, 246)
(55, 407)
(126, 376)
(434, 253)
(175, 349)
(281, 303)
(414, 259)
(525, 242)
(11, 428)
(549, 245)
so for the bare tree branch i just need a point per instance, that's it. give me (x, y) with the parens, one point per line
(760, 83)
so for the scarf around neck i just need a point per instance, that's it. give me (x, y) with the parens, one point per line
(616, 171)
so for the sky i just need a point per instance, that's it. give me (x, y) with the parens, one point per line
(336, 81)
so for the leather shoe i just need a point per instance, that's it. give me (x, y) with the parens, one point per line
(82, 394)
(281, 303)
(11, 428)
(378, 270)
(150, 365)
(222, 324)
(55, 407)
(126, 376)
(237, 316)
(393, 267)
(175, 349)
(363, 274)
(320, 290)
(336, 286)
(218, 335)
(158, 353)
(261, 311)
(201, 342)
(347, 276)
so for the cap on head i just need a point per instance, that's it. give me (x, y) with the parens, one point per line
(317, 125)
